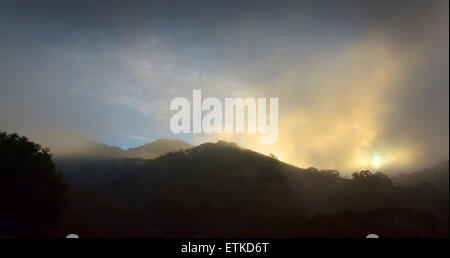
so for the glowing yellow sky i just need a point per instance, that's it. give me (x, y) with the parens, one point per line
(342, 118)
(355, 81)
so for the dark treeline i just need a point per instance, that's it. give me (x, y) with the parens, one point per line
(221, 190)
(32, 194)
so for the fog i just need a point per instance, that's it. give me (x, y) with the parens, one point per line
(354, 80)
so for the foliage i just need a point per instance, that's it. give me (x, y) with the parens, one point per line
(32, 193)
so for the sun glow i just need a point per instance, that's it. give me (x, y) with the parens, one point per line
(376, 161)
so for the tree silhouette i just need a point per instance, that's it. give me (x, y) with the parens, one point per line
(32, 193)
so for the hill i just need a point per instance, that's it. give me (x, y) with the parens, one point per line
(99, 151)
(156, 148)
(220, 189)
(437, 175)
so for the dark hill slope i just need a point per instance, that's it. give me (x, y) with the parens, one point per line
(221, 189)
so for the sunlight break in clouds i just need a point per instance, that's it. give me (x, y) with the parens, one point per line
(351, 97)
(354, 81)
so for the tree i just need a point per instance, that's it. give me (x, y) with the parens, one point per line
(32, 193)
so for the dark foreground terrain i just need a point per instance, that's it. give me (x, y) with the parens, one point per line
(212, 190)
(219, 190)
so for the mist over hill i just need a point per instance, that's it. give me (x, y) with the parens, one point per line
(438, 175)
(156, 148)
(220, 189)
(211, 190)
(100, 151)
(342, 85)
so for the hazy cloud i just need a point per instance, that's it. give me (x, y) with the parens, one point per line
(354, 79)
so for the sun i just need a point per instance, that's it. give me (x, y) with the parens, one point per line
(376, 162)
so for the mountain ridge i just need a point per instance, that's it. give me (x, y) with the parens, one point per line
(157, 148)
(224, 190)
(94, 150)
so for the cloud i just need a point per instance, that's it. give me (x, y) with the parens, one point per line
(342, 107)
(139, 138)
(354, 80)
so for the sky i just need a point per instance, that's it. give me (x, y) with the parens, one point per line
(361, 84)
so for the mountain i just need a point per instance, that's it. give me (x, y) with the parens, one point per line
(156, 148)
(437, 175)
(220, 189)
(94, 150)
(99, 151)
